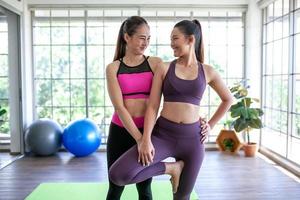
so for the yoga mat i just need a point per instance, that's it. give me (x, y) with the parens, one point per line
(161, 190)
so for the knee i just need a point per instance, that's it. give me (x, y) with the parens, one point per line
(118, 176)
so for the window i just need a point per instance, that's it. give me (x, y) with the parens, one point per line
(281, 77)
(72, 48)
(4, 80)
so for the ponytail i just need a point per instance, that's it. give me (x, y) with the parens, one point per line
(121, 44)
(199, 47)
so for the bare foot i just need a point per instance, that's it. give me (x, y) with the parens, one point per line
(175, 173)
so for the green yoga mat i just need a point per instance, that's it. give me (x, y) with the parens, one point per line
(161, 190)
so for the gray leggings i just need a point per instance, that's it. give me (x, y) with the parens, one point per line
(170, 139)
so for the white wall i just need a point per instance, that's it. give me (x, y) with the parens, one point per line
(253, 54)
(253, 47)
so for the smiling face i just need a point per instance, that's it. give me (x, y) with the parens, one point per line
(180, 43)
(139, 41)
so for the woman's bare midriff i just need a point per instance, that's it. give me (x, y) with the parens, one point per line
(136, 107)
(180, 112)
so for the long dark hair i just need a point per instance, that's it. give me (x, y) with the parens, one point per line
(129, 26)
(188, 28)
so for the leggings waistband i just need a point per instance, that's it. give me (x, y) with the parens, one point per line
(139, 121)
(166, 126)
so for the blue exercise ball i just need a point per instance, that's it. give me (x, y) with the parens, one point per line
(44, 137)
(81, 137)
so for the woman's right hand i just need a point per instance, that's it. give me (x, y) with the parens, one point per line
(146, 151)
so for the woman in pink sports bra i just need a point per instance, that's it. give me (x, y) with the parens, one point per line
(129, 81)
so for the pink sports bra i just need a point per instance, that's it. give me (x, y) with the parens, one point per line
(135, 83)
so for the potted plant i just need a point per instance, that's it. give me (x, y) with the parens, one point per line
(227, 139)
(246, 117)
(2, 112)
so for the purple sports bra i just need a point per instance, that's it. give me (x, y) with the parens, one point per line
(176, 89)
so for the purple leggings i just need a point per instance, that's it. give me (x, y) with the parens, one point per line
(170, 139)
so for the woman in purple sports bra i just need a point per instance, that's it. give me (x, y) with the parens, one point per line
(176, 133)
(129, 80)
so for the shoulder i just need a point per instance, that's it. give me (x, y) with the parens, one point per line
(112, 67)
(154, 62)
(210, 72)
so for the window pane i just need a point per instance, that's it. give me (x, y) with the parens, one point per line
(60, 35)
(111, 31)
(278, 8)
(42, 61)
(78, 113)
(96, 68)
(297, 94)
(44, 112)
(285, 56)
(269, 89)
(297, 4)
(62, 115)
(297, 21)
(270, 32)
(277, 92)
(235, 36)
(96, 92)
(277, 65)
(284, 93)
(3, 65)
(109, 52)
(274, 140)
(97, 115)
(43, 93)
(164, 29)
(286, 6)
(95, 35)
(3, 88)
(41, 35)
(297, 52)
(78, 92)
(218, 59)
(285, 32)
(4, 45)
(61, 93)
(60, 62)
(77, 35)
(77, 61)
(269, 60)
(165, 53)
(235, 61)
(270, 12)
(218, 32)
(107, 99)
(278, 28)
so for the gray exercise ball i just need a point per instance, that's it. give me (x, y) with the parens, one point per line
(44, 137)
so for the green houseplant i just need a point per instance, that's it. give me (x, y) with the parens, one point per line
(2, 112)
(246, 116)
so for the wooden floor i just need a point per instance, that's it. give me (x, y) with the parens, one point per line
(222, 176)
(6, 158)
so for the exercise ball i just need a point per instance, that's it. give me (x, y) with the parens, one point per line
(44, 137)
(81, 137)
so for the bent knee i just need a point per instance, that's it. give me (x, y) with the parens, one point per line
(119, 177)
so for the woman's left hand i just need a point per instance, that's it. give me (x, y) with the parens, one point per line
(205, 129)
